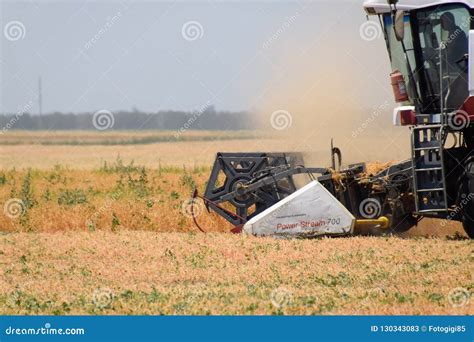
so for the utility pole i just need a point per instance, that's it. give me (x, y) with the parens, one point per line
(40, 103)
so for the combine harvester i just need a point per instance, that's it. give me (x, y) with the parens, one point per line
(431, 48)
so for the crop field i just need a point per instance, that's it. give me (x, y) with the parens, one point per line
(137, 272)
(100, 224)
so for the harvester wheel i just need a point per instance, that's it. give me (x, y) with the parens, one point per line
(466, 200)
(402, 224)
(400, 218)
(468, 225)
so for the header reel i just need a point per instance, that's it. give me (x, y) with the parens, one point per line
(244, 185)
(249, 183)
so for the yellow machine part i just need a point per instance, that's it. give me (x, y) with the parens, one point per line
(382, 222)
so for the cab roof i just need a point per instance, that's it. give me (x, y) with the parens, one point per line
(382, 6)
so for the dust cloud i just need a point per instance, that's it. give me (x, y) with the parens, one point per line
(333, 96)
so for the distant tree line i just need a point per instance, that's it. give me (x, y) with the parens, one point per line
(206, 119)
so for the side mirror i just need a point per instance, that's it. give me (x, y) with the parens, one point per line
(399, 25)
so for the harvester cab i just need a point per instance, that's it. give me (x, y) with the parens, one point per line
(431, 49)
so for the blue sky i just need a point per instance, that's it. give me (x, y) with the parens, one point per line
(121, 55)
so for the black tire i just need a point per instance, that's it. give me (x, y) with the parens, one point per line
(403, 224)
(401, 219)
(466, 198)
(468, 225)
